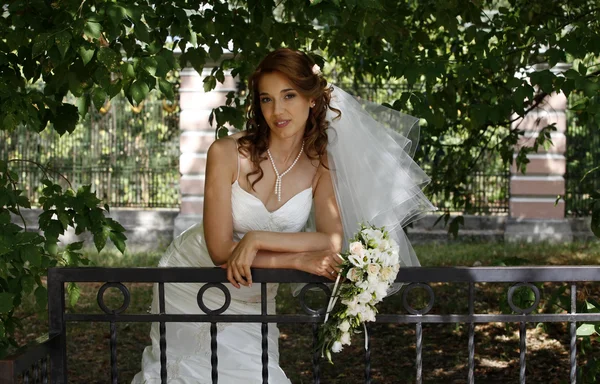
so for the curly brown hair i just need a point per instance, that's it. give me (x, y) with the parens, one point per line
(297, 66)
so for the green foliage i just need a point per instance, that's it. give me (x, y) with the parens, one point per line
(25, 256)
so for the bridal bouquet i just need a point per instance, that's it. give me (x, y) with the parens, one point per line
(369, 267)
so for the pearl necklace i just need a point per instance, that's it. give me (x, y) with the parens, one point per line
(279, 176)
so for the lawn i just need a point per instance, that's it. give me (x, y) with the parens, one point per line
(393, 346)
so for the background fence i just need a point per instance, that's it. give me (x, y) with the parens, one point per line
(129, 155)
(583, 155)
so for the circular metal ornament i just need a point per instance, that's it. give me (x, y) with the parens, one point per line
(217, 311)
(528, 310)
(423, 310)
(126, 298)
(302, 296)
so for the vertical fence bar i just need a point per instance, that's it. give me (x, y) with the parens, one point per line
(113, 352)
(471, 376)
(419, 327)
(44, 371)
(214, 359)
(523, 351)
(264, 332)
(573, 332)
(163, 336)
(57, 326)
(316, 356)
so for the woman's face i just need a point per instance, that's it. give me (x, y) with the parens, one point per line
(284, 108)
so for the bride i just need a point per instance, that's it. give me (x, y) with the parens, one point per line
(259, 190)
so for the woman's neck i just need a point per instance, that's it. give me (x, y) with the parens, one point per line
(285, 151)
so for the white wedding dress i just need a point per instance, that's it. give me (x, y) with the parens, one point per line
(239, 344)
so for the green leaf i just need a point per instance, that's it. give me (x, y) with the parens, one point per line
(86, 54)
(100, 238)
(63, 41)
(99, 97)
(92, 29)
(27, 282)
(141, 32)
(109, 58)
(31, 253)
(41, 297)
(40, 44)
(83, 105)
(74, 292)
(138, 91)
(210, 82)
(67, 116)
(6, 302)
(118, 240)
(149, 65)
(586, 330)
(166, 88)
(127, 71)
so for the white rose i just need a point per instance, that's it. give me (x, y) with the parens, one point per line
(354, 274)
(336, 347)
(357, 248)
(345, 339)
(386, 273)
(344, 326)
(373, 269)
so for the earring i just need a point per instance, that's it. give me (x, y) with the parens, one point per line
(312, 105)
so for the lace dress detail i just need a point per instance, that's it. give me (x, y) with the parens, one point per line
(239, 344)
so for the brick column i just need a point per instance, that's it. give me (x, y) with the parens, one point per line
(534, 214)
(196, 136)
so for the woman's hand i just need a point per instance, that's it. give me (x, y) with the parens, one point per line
(238, 265)
(322, 263)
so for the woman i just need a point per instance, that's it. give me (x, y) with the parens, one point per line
(259, 190)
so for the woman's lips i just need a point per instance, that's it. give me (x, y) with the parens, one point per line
(282, 123)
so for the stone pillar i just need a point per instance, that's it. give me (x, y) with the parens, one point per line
(534, 214)
(196, 137)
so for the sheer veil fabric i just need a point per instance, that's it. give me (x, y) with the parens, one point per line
(375, 178)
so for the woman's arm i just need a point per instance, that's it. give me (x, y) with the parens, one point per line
(326, 242)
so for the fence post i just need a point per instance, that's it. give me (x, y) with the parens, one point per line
(534, 214)
(197, 134)
(57, 326)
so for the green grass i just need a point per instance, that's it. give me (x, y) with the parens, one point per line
(393, 347)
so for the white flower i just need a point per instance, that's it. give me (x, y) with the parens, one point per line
(354, 274)
(367, 314)
(357, 261)
(364, 285)
(336, 347)
(344, 326)
(381, 290)
(373, 234)
(357, 248)
(373, 269)
(352, 306)
(316, 69)
(365, 297)
(384, 244)
(387, 273)
(345, 339)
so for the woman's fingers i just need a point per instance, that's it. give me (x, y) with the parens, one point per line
(248, 275)
(230, 276)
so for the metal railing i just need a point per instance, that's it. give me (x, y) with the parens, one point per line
(414, 278)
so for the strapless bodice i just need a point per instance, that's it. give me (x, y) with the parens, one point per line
(250, 214)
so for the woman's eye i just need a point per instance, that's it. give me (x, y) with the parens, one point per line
(265, 100)
(290, 96)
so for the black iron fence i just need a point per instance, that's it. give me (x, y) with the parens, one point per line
(130, 155)
(583, 155)
(51, 355)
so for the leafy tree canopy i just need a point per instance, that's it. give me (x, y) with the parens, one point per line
(474, 66)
